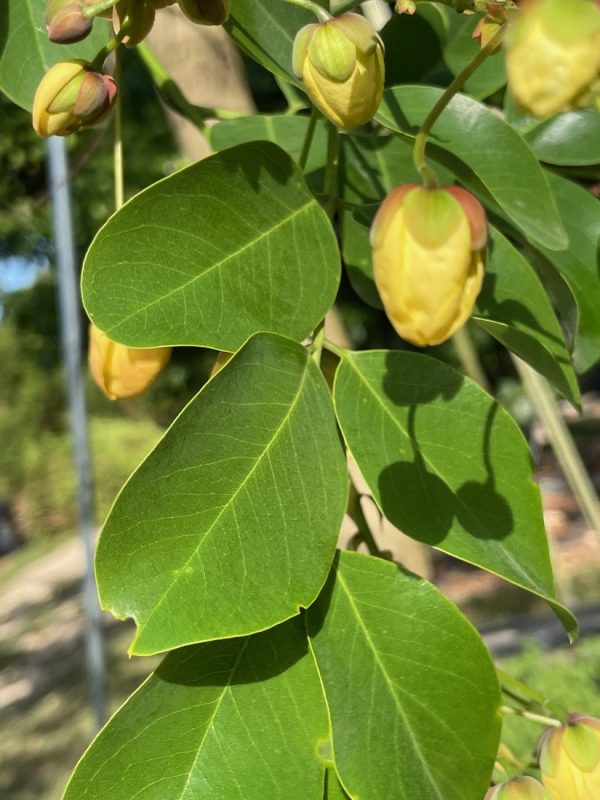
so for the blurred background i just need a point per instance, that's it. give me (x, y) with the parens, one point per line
(45, 720)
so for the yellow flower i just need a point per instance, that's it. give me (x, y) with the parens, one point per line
(206, 12)
(570, 759)
(340, 63)
(71, 96)
(518, 789)
(428, 259)
(553, 55)
(122, 371)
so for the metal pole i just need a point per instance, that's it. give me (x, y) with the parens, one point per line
(71, 338)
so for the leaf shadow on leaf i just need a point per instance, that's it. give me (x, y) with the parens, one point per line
(419, 501)
(252, 159)
(239, 661)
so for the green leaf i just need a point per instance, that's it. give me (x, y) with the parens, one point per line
(462, 49)
(465, 131)
(413, 43)
(284, 130)
(232, 720)
(446, 464)
(26, 54)
(569, 139)
(230, 524)
(578, 265)
(227, 247)
(333, 788)
(411, 690)
(266, 30)
(514, 308)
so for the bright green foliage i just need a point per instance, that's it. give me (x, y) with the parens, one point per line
(445, 463)
(295, 673)
(233, 720)
(579, 265)
(230, 525)
(156, 274)
(514, 308)
(465, 131)
(385, 643)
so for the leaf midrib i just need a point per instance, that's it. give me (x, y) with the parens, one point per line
(267, 448)
(218, 264)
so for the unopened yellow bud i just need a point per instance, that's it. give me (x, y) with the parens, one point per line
(570, 759)
(428, 259)
(70, 97)
(340, 63)
(518, 789)
(122, 371)
(206, 12)
(553, 55)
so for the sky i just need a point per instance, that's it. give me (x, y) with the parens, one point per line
(18, 272)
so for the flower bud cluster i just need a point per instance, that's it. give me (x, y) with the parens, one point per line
(73, 94)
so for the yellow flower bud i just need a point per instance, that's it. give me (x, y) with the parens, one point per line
(340, 63)
(518, 789)
(206, 12)
(122, 371)
(570, 759)
(553, 55)
(71, 96)
(428, 259)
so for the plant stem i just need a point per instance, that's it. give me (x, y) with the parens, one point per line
(92, 11)
(319, 11)
(118, 133)
(310, 132)
(331, 169)
(317, 342)
(549, 722)
(526, 696)
(111, 45)
(427, 174)
(358, 515)
(562, 443)
(172, 95)
(468, 357)
(333, 348)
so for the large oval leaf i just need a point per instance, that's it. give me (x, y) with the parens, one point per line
(514, 308)
(580, 211)
(230, 524)
(26, 53)
(233, 720)
(411, 689)
(446, 464)
(485, 144)
(230, 246)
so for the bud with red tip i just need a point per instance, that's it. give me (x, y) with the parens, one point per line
(570, 759)
(518, 789)
(206, 12)
(70, 97)
(340, 63)
(122, 371)
(428, 258)
(553, 55)
(65, 21)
